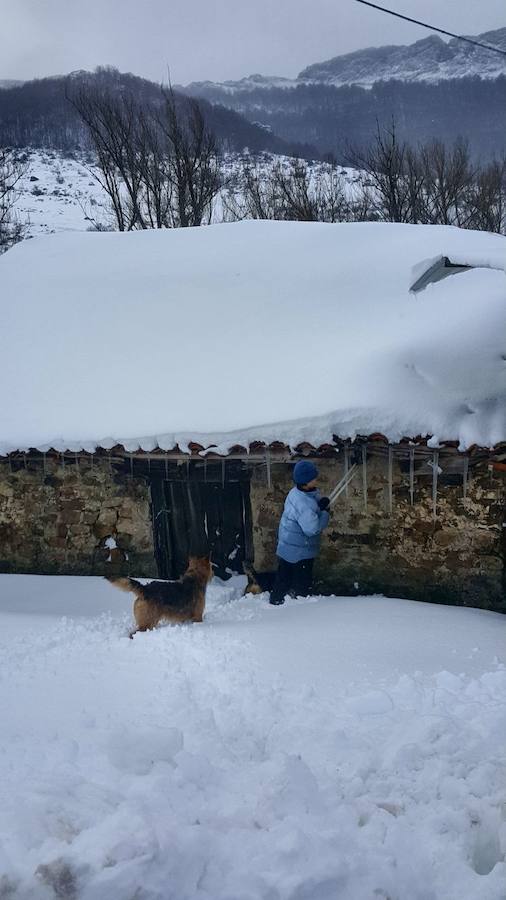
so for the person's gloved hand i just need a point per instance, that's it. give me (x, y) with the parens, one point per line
(324, 503)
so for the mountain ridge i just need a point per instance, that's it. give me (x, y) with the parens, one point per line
(429, 59)
(432, 89)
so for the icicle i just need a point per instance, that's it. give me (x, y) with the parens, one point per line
(412, 475)
(364, 475)
(268, 467)
(435, 469)
(166, 469)
(390, 479)
(465, 476)
(346, 468)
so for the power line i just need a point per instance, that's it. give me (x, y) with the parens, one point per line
(459, 37)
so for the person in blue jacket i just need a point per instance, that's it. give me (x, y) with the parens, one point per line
(305, 515)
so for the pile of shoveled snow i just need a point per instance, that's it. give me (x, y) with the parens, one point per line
(333, 747)
(251, 331)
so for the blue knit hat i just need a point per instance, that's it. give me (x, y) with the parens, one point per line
(304, 471)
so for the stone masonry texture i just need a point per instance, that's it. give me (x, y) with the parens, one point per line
(457, 558)
(59, 519)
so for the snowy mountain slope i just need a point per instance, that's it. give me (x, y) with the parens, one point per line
(248, 83)
(331, 748)
(431, 88)
(6, 83)
(59, 193)
(431, 59)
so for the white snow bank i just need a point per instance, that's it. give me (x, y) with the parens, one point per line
(333, 747)
(250, 331)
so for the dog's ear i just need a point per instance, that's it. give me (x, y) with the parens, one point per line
(201, 561)
(201, 558)
(199, 549)
(203, 564)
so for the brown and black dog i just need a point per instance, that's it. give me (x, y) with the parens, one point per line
(169, 601)
(258, 582)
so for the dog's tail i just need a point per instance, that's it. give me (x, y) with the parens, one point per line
(129, 585)
(252, 586)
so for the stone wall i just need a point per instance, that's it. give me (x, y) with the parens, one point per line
(458, 558)
(57, 519)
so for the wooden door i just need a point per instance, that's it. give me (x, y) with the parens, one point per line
(196, 512)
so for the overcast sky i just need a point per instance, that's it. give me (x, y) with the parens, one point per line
(215, 39)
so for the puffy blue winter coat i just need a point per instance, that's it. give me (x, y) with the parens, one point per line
(301, 525)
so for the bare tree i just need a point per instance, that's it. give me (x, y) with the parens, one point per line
(486, 200)
(311, 195)
(290, 191)
(160, 166)
(252, 194)
(432, 183)
(300, 197)
(11, 172)
(415, 182)
(111, 119)
(448, 178)
(387, 169)
(193, 161)
(155, 185)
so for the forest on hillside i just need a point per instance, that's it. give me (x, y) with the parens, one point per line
(330, 118)
(38, 114)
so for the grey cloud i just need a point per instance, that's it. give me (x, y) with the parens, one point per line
(201, 39)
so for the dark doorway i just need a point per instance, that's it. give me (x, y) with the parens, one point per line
(199, 508)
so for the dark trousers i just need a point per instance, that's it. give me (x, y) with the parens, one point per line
(292, 578)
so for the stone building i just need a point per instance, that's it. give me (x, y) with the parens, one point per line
(256, 344)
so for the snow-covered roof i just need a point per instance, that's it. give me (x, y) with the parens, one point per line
(252, 331)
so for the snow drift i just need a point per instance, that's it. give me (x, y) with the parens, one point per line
(347, 748)
(251, 331)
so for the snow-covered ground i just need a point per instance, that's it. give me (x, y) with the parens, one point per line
(330, 749)
(59, 192)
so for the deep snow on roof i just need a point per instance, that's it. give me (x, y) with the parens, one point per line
(251, 331)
